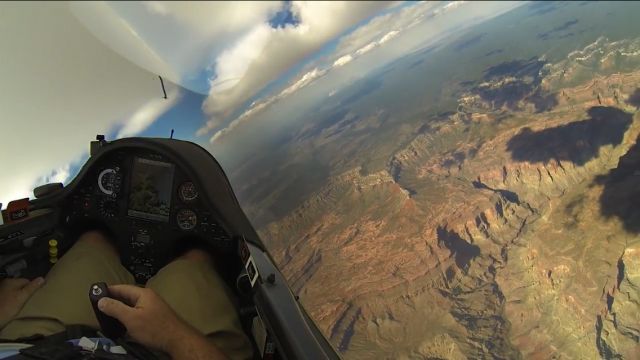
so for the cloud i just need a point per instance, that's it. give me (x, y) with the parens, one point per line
(133, 125)
(240, 119)
(66, 86)
(211, 18)
(390, 35)
(60, 87)
(343, 60)
(175, 39)
(148, 113)
(312, 75)
(208, 126)
(233, 40)
(396, 33)
(305, 80)
(59, 175)
(365, 49)
(256, 107)
(452, 5)
(233, 63)
(19, 190)
(319, 23)
(375, 30)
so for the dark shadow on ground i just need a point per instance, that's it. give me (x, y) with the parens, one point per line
(494, 52)
(578, 142)
(508, 95)
(634, 99)
(456, 158)
(621, 194)
(422, 56)
(516, 68)
(416, 63)
(543, 102)
(468, 43)
(508, 195)
(462, 250)
(510, 82)
(551, 33)
(366, 87)
(315, 128)
(348, 333)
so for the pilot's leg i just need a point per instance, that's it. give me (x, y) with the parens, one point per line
(63, 299)
(196, 292)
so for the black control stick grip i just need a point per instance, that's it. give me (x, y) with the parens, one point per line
(111, 327)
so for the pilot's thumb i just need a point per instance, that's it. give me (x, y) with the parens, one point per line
(114, 308)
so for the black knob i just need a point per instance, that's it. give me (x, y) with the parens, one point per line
(271, 279)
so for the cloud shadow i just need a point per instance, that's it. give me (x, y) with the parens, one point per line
(462, 250)
(578, 142)
(511, 82)
(551, 33)
(634, 99)
(465, 44)
(620, 197)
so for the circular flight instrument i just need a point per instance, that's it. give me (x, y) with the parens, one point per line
(108, 207)
(186, 219)
(187, 191)
(109, 181)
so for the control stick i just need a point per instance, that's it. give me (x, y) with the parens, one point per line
(111, 327)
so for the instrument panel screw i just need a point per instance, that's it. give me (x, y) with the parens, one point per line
(271, 279)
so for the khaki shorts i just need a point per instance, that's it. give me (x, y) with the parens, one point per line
(192, 288)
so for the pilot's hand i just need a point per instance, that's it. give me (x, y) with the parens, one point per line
(14, 293)
(148, 319)
(151, 322)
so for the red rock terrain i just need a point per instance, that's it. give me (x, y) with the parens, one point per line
(502, 231)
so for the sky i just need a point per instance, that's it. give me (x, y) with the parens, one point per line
(71, 70)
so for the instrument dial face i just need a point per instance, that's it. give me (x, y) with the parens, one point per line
(108, 208)
(187, 192)
(109, 181)
(186, 219)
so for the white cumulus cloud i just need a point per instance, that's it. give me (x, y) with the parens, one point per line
(59, 175)
(388, 36)
(149, 113)
(343, 60)
(365, 49)
(175, 39)
(256, 107)
(319, 22)
(232, 64)
(395, 34)
(305, 80)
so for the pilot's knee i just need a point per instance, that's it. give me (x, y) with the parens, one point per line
(97, 238)
(196, 255)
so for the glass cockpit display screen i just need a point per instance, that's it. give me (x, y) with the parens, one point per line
(150, 195)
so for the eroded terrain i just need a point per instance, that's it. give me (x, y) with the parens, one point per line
(507, 228)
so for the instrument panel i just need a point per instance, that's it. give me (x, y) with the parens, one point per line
(150, 204)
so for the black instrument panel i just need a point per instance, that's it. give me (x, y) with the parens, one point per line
(149, 204)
